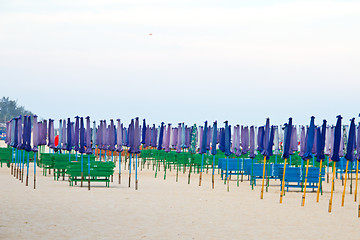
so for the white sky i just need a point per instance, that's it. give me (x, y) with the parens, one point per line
(240, 61)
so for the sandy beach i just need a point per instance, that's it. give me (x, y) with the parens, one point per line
(166, 209)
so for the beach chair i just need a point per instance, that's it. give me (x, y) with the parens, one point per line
(295, 177)
(6, 156)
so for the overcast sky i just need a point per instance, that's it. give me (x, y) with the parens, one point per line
(182, 61)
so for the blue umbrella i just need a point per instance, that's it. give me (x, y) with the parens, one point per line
(337, 138)
(143, 139)
(351, 142)
(287, 140)
(161, 136)
(320, 146)
(310, 139)
(265, 137)
(260, 139)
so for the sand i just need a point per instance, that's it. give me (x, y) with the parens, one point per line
(166, 209)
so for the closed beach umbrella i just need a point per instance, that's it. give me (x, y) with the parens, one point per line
(310, 139)
(214, 138)
(76, 135)
(337, 139)
(35, 134)
(178, 141)
(351, 142)
(204, 139)
(88, 136)
(143, 135)
(227, 139)
(167, 139)
(82, 136)
(68, 138)
(159, 147)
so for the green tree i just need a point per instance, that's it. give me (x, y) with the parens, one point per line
(10, 109)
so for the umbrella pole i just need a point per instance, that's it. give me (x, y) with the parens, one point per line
(238, 169)
(164, 167)
(129, 169)
(332, 187)
(89, 172)
(12, 159)
(35, 171)
(23, 166)
(351, 178)
(242, 169)
(201, 169)
(213, 171)
(306, 175)
(15, 161)
(82, 170)
(16, 164)
(156, 169)
(27, 171)
(356, 181)
(252, 174)
(119, 167)
(263, 179)
(227, 174)
(189, 173)
(343, 195)
(267, 174)
(328, 162)
(283, 182)
(319, 184)
(112, 159)
(177, 172)
(136, 178)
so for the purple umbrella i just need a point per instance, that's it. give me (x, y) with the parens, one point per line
(76, 134)
(237, 140)
(51, 140)
(174, 138)
(69, 138)
(35, 134)
(112, 136)
(245, 140)
(64, 136)
(119, 148)
(88, 136)
(19, 133)
(302, 142)
(119, 137)
(178, 141)
(294, 142)
(167, 139)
